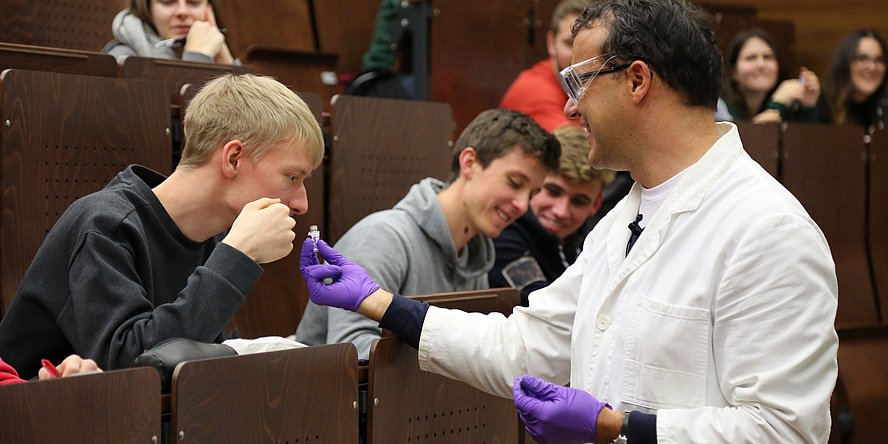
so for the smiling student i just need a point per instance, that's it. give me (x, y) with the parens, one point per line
(757, 88)
(535, 249)
(438, 237)
(856, 84)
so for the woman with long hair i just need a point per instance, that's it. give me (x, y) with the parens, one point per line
(855, 86)
(756, 86)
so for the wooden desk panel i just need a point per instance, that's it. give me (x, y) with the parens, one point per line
(824, 168)
(121, 406)
(302, 395)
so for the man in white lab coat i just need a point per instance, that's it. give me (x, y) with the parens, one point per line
(702, 307)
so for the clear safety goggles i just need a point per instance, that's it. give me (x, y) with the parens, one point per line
(577, 77)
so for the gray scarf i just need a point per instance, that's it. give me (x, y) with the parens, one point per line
(140, 36)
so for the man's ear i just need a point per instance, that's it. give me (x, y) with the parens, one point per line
(550, 43)
(468, 159)
(642, 79)
(597, 205)
(233, 156)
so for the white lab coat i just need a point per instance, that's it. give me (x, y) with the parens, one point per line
(720, 320)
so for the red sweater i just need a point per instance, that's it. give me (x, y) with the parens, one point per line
(537, 92)
(8, 374)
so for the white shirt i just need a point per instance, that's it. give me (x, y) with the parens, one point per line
(720, 319)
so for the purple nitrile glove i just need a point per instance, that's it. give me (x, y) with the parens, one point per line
(350, 286)
(556, 414)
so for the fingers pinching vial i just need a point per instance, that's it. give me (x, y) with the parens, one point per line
(263, 231)
(350, 285)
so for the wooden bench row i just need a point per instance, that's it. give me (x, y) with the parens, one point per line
(308, 395)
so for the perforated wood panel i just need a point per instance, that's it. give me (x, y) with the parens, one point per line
(111, 407)
(380, 148)
(878, 223)
(65, 136)
(304, 396)
(824, 168)
(72, 24)
(407, 405)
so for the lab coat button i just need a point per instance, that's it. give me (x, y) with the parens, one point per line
(603, 322)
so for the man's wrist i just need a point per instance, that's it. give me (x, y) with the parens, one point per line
(622, 437)
(608, 426)
(375, 305)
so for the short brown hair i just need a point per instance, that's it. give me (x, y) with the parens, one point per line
(259, 111)
(574, 163)
(496, 132)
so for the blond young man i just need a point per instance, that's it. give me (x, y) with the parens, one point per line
(150, 258)
(535, 249)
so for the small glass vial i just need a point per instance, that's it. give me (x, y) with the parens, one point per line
(314, 234)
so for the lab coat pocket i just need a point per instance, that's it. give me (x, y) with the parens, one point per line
(667, 356)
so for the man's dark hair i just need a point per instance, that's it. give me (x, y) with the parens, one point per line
(676, 39)
(495, 132)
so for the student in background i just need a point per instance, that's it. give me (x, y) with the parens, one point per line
(140, 30)
(438, 238)
(537, 91)
(856, 85)
(756, 87)
(149, 257)
(535, 249)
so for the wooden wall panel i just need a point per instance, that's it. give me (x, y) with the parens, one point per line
(345, 27)
(70, 24)
(470, 70)
(265, 23)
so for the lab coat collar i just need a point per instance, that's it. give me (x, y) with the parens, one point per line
(686, 196)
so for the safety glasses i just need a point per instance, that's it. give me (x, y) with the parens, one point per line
(577, 77)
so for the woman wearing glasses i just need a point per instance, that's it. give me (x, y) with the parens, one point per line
(756, 87)
(855, 86)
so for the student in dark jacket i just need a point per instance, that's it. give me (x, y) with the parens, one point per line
(535, 249)
(150, 257)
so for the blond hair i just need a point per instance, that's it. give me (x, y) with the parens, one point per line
(567, 8)
(259, 111)
(574, 163)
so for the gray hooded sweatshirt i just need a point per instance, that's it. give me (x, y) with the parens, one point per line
(406, 250)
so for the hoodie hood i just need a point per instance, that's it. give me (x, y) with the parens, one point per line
(422, 206)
